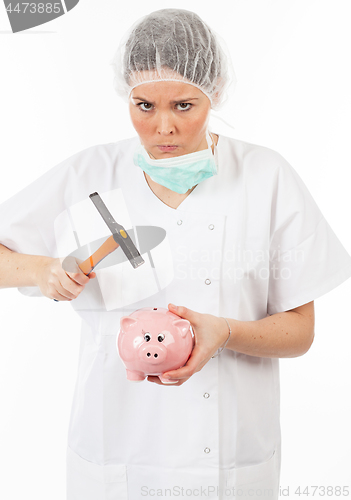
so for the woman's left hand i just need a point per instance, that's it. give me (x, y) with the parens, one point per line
(210, 333)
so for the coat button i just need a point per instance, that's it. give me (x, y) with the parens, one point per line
(207, 450)
(208, 282)
(179, 222)
(211, 226)
(206, 395)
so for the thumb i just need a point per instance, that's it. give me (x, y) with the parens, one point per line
(183, 312)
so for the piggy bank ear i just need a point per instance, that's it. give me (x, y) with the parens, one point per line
(183, 325)
(127, 322)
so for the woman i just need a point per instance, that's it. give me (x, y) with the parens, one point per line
(244, 254)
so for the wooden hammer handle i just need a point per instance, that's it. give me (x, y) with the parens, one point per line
(106, 248)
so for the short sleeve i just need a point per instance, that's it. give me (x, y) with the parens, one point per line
(307, 259)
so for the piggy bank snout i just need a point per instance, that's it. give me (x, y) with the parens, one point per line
(152, 353)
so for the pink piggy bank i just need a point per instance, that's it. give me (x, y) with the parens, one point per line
(152, 341)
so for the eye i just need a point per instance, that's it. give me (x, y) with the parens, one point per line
(145, 106)
(184, 106)
(161, 337)
(147, 337)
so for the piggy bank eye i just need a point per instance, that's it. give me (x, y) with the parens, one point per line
(147, 337)
(161, 337)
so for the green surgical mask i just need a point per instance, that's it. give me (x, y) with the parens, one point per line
(179, 173)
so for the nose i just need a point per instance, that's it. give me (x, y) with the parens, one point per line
(153, 354)
(165, 125)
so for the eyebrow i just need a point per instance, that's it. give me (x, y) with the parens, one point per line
(173, 102)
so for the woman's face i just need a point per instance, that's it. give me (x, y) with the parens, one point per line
(170, 118)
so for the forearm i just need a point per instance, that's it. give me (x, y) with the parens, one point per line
(282, 335)
(19, 270)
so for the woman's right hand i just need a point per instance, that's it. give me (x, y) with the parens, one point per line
(56, 283)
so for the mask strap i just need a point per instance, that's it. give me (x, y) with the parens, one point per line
(210, 141)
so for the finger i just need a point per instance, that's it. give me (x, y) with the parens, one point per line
(74, 282)
(73, 271)
(79, 277)
(193, 365)
(156, 380)
(185, 313)
(69, 294)
(68, 288)
(58, 297)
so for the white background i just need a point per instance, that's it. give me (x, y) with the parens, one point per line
(292, 61)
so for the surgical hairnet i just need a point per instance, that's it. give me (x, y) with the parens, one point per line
(173, 45)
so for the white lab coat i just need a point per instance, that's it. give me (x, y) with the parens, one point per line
(245, 243)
